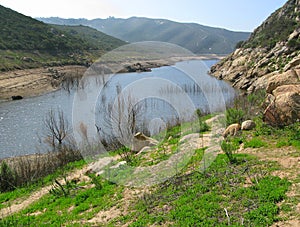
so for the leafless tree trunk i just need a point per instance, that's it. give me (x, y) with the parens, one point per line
(121, 119)
(57, 128)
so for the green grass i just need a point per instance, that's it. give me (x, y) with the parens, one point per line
(55, 211)
(8, 197)
(199, 199)
(255, 143)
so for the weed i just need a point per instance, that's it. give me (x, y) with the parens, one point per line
(255, 143)
(214, 198)
(96, 181)
(58, 189)
(229, 148)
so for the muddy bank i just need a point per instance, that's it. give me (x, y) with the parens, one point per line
(32, 82)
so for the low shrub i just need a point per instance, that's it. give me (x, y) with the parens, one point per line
(234, 115)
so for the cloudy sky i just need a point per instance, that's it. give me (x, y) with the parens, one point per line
(238, 15)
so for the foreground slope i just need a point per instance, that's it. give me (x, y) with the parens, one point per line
(246, 192)
(194, 37)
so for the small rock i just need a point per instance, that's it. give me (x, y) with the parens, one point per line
(16, 97)
(248, 125)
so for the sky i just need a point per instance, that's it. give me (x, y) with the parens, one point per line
(236, 15)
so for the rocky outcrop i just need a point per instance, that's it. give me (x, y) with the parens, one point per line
(269, 60)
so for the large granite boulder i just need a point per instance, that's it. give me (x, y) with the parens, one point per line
(283, 106)
(286, 78)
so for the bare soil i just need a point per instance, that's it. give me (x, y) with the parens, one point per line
(33, 82)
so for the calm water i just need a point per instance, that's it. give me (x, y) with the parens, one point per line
(164, 93)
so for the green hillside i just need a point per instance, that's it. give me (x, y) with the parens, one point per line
(26, 43)
(195, 37)
(92, 37)
(277, 28)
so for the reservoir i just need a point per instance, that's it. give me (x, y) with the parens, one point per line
(163, 95)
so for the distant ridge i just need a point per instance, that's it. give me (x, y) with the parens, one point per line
(195, 37)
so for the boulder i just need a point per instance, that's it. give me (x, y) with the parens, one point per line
(140, 141)
(231, 130)
(294, 63)
(284, 107)
(248, 125)
(277, 80)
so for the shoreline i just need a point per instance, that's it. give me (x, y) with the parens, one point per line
(28, 83)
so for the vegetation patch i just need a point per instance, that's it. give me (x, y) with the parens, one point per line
(216, 197)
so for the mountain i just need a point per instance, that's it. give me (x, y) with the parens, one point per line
(194, 37)
(27, 43)
(270, 61)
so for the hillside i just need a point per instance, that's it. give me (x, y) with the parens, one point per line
(28, 43)
(94, 38)
(195, 37)
(237, 190)
(270, 61)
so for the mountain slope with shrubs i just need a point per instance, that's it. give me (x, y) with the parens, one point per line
(270, 61)
(28, 43)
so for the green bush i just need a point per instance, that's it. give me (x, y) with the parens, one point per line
(234, 115)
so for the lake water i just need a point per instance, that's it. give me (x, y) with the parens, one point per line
(165, 94)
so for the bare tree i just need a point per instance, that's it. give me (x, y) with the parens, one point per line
(121, 119)
(57, 128)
